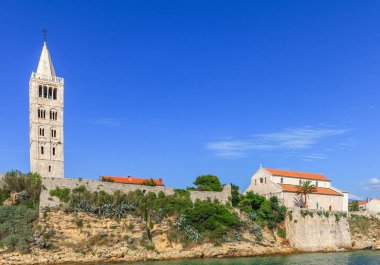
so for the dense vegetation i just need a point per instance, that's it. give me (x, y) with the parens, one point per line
(202, 221)
(199, 221)
(16, 220)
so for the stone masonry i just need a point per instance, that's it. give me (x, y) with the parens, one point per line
(49, 184)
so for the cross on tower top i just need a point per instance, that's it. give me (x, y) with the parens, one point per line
(45, 31)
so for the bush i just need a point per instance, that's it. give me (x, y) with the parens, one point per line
(16, 226)
(211, 220)
(281, 232)
(4, 195)
(208, 183)
(62, 194)
(15, 181)
(149, 182)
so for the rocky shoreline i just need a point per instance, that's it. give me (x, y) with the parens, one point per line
(67, 238)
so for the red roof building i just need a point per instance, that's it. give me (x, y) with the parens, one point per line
(286, 184)
(131, 180)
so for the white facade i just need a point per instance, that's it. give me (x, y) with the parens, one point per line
(326, 197)
(373, 206)
(46, 119)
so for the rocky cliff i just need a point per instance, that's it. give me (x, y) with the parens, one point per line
(318, 231)
(62, 237)
(77, 237)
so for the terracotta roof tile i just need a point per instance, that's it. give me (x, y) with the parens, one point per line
(295, 174)
(131, 180)
(325, 191)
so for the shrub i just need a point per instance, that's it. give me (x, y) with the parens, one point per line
(150, 247)
(62, 194)
(211, 220)
(3, 196)
(149, 182)
(208, 183)
(281, 232)
(15, 181)
(16, 226)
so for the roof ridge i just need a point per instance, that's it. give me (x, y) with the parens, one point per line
(321, 174)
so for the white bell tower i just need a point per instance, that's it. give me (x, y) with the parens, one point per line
(46, 119)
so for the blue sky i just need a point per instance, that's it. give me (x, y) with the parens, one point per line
(176, 89)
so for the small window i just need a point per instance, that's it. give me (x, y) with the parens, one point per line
(42, 150)
(261, 180)
(39, 113)
(49, 168)
(40, 91)
(300, 182)
(316, 183)
(53, 151)
(53, 133)
(42, 132)
(45, 92)
(55, 93)
(282, 180)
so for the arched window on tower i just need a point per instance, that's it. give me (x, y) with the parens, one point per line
(53, 115)
(42, 131)
(40, 91)
(39, 113)
(49, 168)
(54, 93)
(42, 150)
(45, 92)
(53, 151)
(50, 93)
(53, 133)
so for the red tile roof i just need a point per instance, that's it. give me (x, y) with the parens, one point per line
(131, 180)
(295, 174)
(324, 191)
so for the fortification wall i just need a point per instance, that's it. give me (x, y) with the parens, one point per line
(318, 232)
(49, 184)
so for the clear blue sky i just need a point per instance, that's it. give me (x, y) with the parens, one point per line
(175, 89)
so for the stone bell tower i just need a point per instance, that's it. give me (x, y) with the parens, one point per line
(46, 119)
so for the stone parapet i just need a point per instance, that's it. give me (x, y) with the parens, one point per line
(49, 184)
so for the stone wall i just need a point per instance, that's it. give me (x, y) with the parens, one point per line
(49, 184)
(318, 233)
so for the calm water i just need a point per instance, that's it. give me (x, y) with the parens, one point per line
(357, 258)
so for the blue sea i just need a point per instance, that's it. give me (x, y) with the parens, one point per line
(341, 258)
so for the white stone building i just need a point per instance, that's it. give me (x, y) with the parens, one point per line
(46, 119)
(370, 205)
(284, 184)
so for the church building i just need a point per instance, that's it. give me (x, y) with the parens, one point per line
(46, 119)
(284, 185)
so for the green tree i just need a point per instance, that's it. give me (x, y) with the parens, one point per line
(149, 182)
(251, 202)
(235, 195)
(354, 206)
(208, 183)
(305, 190)
(211, 219)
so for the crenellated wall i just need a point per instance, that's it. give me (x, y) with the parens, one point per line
(49, 184)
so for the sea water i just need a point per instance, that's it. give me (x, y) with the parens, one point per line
(340, 258)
